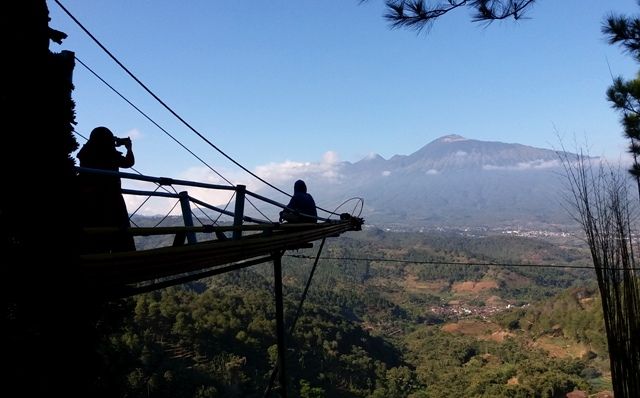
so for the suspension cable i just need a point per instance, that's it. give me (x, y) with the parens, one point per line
(161, 102)
(486, 264)
(167, 215)
(164, 131)
(138, 172)
(177, 141)
(174, 113)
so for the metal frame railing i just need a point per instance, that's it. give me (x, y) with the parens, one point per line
(185, 199)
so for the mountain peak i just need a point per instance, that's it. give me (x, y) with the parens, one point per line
(372, 157)
(454, 152)
(450, 138)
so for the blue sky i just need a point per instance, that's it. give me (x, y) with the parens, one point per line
(282, 84)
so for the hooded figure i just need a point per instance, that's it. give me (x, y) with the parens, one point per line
(101, 201)
(301, 207)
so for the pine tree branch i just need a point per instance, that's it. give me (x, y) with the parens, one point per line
(417, 14)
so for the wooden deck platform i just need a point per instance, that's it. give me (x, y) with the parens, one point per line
(128, 268)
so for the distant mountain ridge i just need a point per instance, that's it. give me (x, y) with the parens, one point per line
(454, 152)
(452, 181)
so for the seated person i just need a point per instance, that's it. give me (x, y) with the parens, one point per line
(301, 207)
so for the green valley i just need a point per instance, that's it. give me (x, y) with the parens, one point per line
(388, 314)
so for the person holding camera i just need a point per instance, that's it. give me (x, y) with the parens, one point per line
(101, 201)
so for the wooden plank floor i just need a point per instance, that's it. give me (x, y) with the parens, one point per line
(147, 265)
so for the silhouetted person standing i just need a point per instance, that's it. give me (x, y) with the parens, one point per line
(102, 204)
(302, 205)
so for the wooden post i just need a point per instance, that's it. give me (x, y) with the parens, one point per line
(277, 274)
(239, 211)
(186, 215)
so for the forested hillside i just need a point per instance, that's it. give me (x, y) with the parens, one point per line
(372, 326)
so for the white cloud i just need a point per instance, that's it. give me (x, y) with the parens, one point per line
(330, 157)
(278, 174)
(135, 134)
(531, 165)
(432, 171)
(461, 153)
(328, 168)
(386, 173)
